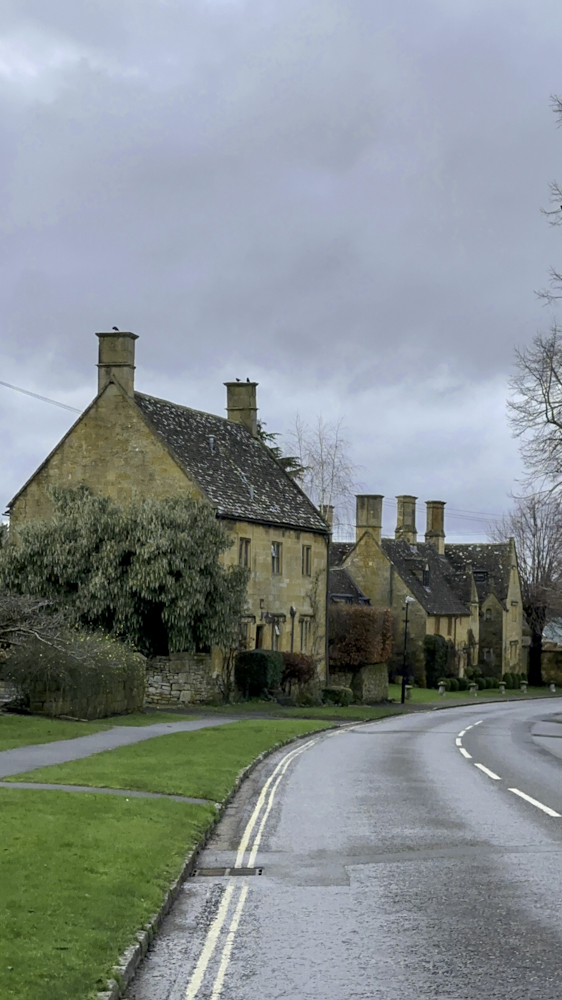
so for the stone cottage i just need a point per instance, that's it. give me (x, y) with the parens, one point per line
(387, 570)
(127, 444)
(469, 594)
(496, 574)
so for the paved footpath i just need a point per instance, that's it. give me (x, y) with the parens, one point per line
(42, 754)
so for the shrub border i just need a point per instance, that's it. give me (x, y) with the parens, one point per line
(132, 957)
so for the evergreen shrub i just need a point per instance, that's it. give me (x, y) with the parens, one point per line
(463, 683)
(342, 696)
(257, 671)
(436, 650)
(453, 684)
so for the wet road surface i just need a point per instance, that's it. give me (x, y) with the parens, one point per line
(393, 867)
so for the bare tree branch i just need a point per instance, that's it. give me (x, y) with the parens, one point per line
(329, 475)
(536, 526)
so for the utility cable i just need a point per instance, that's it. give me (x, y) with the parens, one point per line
(44, 399)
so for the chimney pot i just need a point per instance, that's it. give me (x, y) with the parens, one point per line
(241, 404)
(116, 360)
(368, 514)
(406, 518)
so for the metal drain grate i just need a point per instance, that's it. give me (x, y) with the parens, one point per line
(226, 871)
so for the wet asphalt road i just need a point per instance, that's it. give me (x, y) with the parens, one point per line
(392, 868)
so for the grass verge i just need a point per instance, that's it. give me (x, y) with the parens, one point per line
(26, 730)
(424, 695)
(202, 764)
(80, 875)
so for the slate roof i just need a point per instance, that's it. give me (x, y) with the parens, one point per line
(493, 558)
(338, 552)
(235, 471)
(448, 591)
(341, 584)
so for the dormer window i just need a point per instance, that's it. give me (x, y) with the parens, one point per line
(480, 575)
(425, 575)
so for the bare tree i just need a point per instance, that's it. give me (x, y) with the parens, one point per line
(536, 526)
(328, 475)
(24, 618)
(535, 407)
(554, 216)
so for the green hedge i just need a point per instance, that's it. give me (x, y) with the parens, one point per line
(257, 671)
(342, 696)
(83, 675)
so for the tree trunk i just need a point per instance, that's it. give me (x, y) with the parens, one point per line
(535, 659)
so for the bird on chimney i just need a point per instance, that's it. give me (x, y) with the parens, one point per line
(116, 328)
(237, 379)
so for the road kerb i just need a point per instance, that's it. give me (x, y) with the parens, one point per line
(124, 971)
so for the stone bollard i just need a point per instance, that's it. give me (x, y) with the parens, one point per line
(553, 688)
(524, 687)
(501, 686)
(442, 688)
(473, 688)
(408, 691)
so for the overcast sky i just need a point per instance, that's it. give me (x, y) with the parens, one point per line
(338, 198)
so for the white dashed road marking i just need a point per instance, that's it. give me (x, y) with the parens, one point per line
(539, 805)
(487, 771)
(496, 777)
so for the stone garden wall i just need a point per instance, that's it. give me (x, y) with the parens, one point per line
(181, 679)
(369, 684)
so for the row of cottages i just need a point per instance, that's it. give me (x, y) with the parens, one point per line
(470, 594)
(127, 444)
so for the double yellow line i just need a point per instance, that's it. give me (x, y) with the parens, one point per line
(260, 815)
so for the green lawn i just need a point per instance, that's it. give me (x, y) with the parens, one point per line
(25, 730)
(80, 874)
(271, 710)
(422, 695)
(202, 764)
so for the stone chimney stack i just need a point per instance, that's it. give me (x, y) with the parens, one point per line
(116, 360)
(368, 514)
(435, 530)
(327, 511)
(241, 404)
(406, 519)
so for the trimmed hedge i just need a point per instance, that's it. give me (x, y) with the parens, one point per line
(257, 671)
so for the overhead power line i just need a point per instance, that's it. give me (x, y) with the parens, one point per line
(44, 399)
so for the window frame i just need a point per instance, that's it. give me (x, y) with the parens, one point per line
(306, 561)
(277, 558)
(245, 552)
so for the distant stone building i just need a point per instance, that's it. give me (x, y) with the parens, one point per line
(127, 444)
(495, 572)
(469, 594)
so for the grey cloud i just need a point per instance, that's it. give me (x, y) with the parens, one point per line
(334, 192)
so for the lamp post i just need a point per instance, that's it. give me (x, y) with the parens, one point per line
(407, 602)
(292, 613)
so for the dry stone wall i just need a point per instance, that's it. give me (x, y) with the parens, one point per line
(181, 679)
(369, 684)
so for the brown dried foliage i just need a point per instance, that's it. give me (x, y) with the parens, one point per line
(359, 634)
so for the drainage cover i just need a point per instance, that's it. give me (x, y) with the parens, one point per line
(227, 871)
